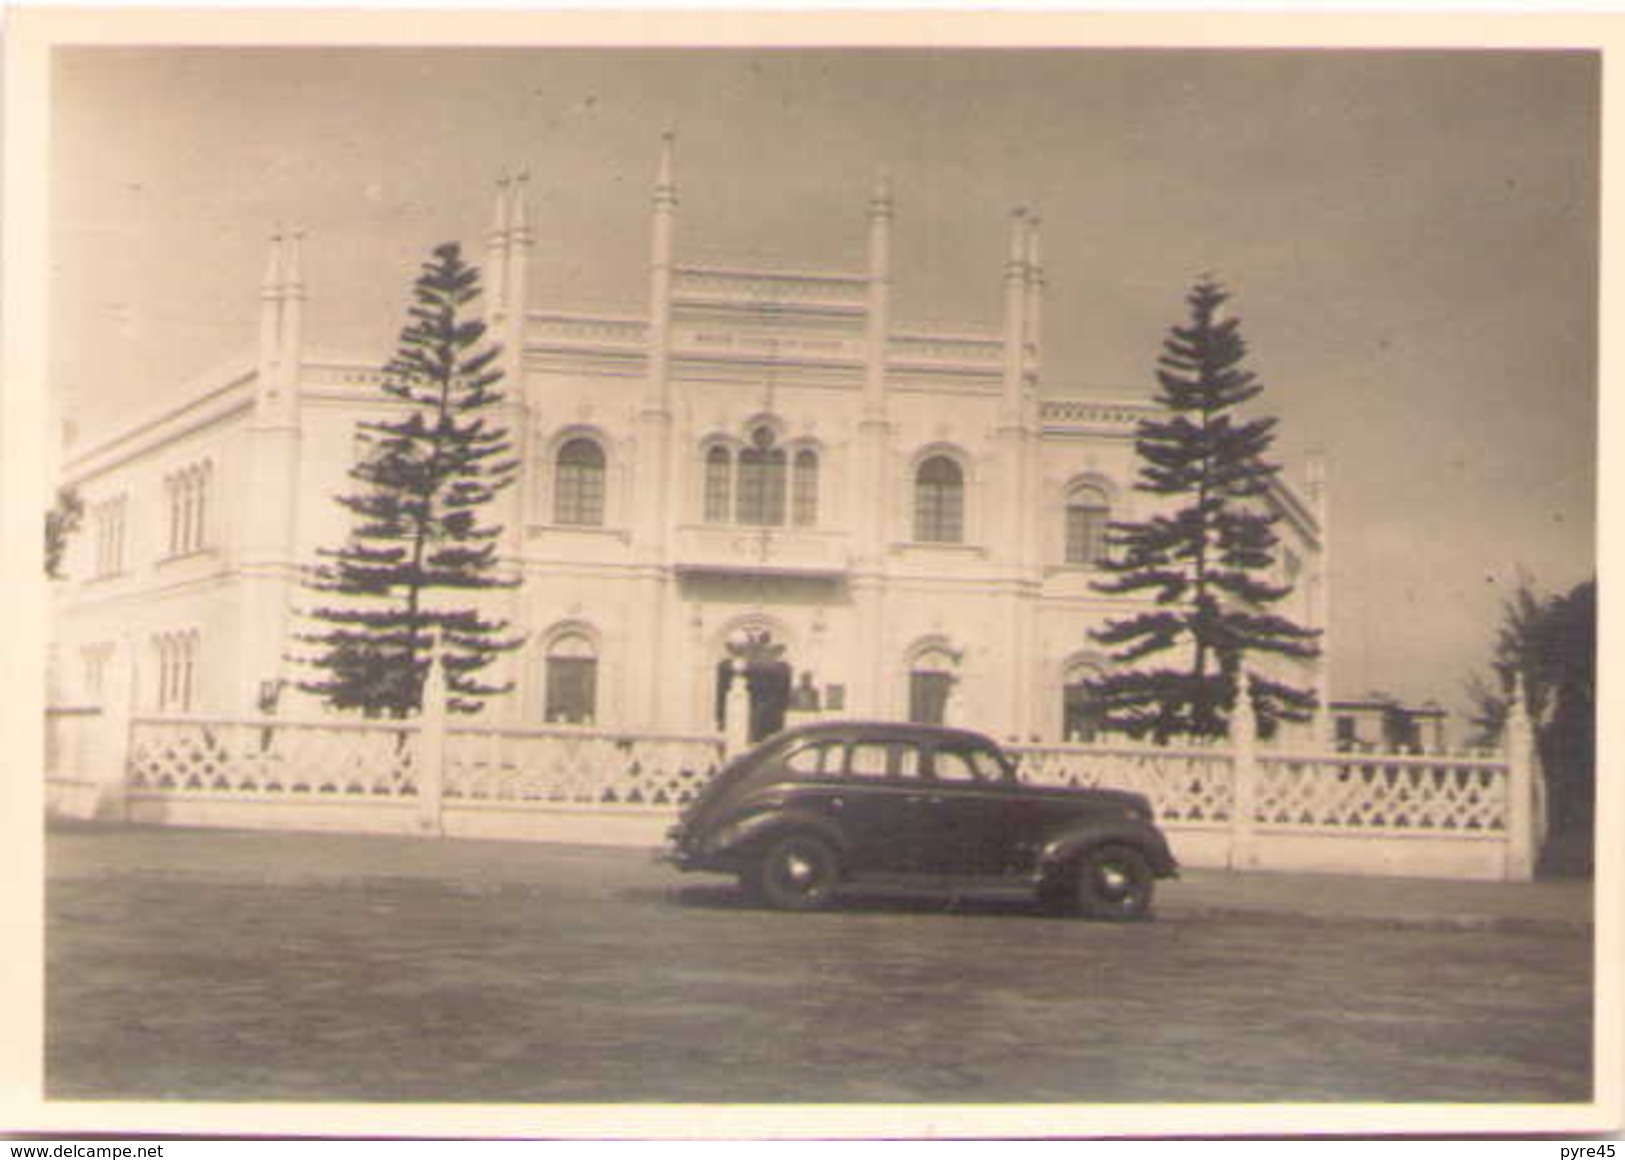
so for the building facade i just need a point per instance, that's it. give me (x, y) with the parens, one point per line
(911, 520)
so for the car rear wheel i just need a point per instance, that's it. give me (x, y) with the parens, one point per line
(795, 872)
(1113, 882)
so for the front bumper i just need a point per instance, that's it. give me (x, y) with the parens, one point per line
(672, 852)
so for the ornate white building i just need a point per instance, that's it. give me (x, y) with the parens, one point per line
(910, 515)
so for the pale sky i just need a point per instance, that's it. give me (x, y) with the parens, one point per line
(1411, 238)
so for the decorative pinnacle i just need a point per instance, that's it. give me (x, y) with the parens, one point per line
(665, 181)
(880, 203)
(499, 210)
(518, 215)
(294, 275)
(1018, 240)
(273, 263)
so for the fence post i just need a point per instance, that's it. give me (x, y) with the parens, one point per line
(736, 712)
(1524, 830)
(431, 753)
(112, 767)
(1244, 778)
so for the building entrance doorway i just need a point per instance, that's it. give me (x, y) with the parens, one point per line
(760, 662)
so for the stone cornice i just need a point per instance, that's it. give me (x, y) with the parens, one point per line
(206, 400)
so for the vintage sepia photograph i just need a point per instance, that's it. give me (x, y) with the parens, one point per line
(879, 571)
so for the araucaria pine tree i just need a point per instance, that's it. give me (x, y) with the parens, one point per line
(1205, 557)
(418, 551)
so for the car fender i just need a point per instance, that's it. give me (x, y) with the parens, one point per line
(1061, 848)
(743, 834)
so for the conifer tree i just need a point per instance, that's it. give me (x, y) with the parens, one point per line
(417, 550)
(1205, 556)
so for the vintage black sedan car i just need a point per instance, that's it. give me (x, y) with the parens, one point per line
(840, 802)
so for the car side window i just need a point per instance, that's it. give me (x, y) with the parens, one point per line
(878, 759)
(867, 759)
(814, 758)
(957, 765)
(987, 764)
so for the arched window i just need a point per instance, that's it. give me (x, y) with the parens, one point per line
(761, 481)
(804, 489)
(177, 671)
(188, 495)
(939, 502)
(1082, 711)
(578, 487)
(1088, 511)
(931, 680)
(572, 681)
(718, 485)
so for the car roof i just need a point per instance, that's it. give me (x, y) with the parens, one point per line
(888, 731)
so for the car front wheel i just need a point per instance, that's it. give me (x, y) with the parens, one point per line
(1113, 882)
(795, 872)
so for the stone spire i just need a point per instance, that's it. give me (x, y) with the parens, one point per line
(282, 295)
(660, 272)
(879, 312)
(293, 313)
(496, 255)
(270, 313)
(1035, 299)
(1015, 324)
(517, 269)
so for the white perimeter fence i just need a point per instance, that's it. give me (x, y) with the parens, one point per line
(1240, 804)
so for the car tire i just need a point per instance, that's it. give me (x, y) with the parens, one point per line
(796, 871)
(1113, 882)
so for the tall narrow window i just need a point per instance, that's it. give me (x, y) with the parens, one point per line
(200, 504)
(578, 489)
(930, 684)
(1087, 514)
(174, 494)
(939, 502)
(108, 518)
(188, 494)
(177, 671)
(761, 481)
(572, 681)
(718, 472)
(804, 489)
(96, 658)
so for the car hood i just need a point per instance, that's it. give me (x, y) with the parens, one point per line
(1122, 799)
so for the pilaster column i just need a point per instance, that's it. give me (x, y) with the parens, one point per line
(510, 284)
(269, 546)
(872, 485)
(1010, 529)
(656, 482)
(496, 259)
(1015, 322)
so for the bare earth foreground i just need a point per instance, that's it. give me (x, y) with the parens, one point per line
(234, 966)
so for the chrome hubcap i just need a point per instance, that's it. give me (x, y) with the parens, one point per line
(800, 870)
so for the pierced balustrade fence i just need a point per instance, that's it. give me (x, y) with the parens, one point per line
(1457, 815)
(1235, 804)
(1187, 787)
(250, 756)
(404, 777)
(578, 767)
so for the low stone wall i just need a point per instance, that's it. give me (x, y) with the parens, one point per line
(1236, 806)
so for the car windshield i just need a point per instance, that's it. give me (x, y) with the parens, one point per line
(961, 761)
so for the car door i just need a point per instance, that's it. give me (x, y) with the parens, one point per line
(880, 805)
(972, 812)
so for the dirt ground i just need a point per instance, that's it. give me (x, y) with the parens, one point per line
(221, 966)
